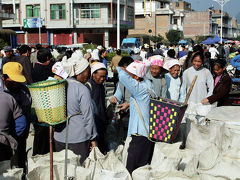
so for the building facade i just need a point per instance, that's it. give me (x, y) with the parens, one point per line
(229, 24)
(152, 17)
(7, 35)
(180, 9)
(208, 23)
(66, 22)
(157, 17)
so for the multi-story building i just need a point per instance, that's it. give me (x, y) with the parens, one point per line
(208, 23)
(69, 22)
(152, 17)
(6, 34)
(159, 16)
(229, 24)
(180, 9)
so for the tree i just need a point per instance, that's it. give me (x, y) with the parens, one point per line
(156, 39)
(174, 36)
(2, 43)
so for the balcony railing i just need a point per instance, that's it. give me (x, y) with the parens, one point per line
(4, 15)
(98, 22)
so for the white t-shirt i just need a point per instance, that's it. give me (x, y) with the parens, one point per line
(143, 54)
(213, 52)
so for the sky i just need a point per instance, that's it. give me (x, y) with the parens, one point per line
(231, 7)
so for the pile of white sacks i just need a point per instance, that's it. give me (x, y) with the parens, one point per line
(212, 152)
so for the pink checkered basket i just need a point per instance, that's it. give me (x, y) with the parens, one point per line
(165, 118)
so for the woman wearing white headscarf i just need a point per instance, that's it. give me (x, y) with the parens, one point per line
(140, 149)
(176, 88)
(82, 127)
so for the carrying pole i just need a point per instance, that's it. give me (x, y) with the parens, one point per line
(191, 88)
(51, 151)
(66, 145)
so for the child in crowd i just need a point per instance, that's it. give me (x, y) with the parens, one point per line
(176, 89)
(204, 84)
(222, 85)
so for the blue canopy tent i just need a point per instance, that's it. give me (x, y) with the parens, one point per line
(208, 41)
(218, 39)
(182, 42)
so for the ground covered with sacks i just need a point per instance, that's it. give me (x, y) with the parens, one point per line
(212, 152)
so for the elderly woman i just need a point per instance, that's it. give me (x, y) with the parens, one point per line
(97, 91)
(81, 126)
(156, 77)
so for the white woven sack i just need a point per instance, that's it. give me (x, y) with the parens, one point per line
(12, 174)
(43, 172)
(201, 137)
(122, 151)
(105, 167)
(147, 173)
(224, 169)
(4, 165)
(165, 157)
(197, 112)
(231, 145)
(209, 177)
(168, 157)
(58, 157)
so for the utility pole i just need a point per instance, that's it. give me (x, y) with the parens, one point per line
(118, 24)
(221, 3)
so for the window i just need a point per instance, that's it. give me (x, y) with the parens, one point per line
(33, 11)
(177, 4)
(90, 11)
(130, 14)
(174, 21)
(58, 11)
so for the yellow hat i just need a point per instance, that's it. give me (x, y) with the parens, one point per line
(14, 71)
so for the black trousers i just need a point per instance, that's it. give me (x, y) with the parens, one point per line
(140, 152)
(20, 158)
(82, 148)
(41, 140)
(5, 152)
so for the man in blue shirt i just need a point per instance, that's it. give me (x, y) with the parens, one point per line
(140, 148)
(183, 52)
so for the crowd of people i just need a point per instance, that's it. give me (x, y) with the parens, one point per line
(166, 72)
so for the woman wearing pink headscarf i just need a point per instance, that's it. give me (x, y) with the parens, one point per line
(156, 77)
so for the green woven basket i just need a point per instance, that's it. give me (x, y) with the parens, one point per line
(49, 101)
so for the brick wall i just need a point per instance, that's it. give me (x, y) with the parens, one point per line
(144, 24)
(20, 38)
(196, 23)
(80, 38)
(33, 38)
(62, 39)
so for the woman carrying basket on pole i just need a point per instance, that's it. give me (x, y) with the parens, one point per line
(82, 127)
